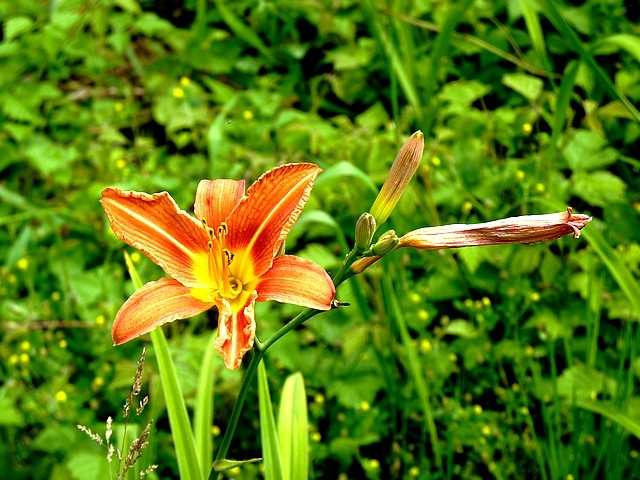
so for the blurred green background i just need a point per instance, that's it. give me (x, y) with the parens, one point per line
(499, 362)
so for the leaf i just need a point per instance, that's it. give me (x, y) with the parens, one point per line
(203, 412)
(463, 329)
(587, 151)
(598, 188)
(293, 429)
(528, 86)
(581, 382)
(621, 274)
(629, 43)
(611, 412)
(16, 26)
(268, 433)
(183, 439)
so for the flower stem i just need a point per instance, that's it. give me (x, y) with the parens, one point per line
(260, 349)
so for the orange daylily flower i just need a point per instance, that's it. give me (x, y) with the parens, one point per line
(224, 257)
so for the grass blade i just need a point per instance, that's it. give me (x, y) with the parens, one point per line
(553, 14)
(413, 365)
(619, 272)
(293, 429)
(183, 441)
(203, 413)
(268, 432)
(612, 413)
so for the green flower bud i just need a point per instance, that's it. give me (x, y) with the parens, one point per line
(401, 173)
(387, 243)
(365, 228)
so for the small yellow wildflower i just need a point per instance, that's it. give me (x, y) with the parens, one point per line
(316, 437)
(100, 320)
(247, 115)
(24, 358)
(535, 297)
(63, 343)
(486, 430)
(97, 383)
(435, 161)
(121, 164)
(527, 128)
(61, 396)
(477, 409)
(374, 464)
(185, 81)
(529, 351)
(135, 257)
(13, 359)
(178, 92)
(22, 264)
(25, 346)
(318, 398)
(365, 406)
(425, 346)
(56, 296)
(486, 301)
(215, 430)
(520, 175)
(466, 207)
(540, 188)
(414, 297)
(118, 106)
(423, 315)
(414, 472)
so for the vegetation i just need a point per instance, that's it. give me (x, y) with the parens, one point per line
(509, 362)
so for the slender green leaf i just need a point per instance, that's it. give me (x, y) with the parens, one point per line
(240, 29)
(553, 14)
(624, 41)
(611, 412)
(183, 439)
(203, 413)
(619, 272)
(293, 429)
(535, 32)
(562, 103)
(268, 432)
(413, 365)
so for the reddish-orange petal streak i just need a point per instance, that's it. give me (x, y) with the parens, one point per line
(215, 199)
(298, 281)
(152, 305)
(236, 331)
(264, 216)
(157, 227)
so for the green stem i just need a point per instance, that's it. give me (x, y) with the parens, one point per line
(259, 350)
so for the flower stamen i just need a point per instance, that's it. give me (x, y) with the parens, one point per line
(224, 285)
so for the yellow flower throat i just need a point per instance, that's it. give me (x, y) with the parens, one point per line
(218, 273)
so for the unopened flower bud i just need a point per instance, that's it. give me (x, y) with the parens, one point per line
(387, 243)
(365, 228)
(526, 229)
(401, 173)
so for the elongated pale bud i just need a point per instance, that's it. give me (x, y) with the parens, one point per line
(365, 229)
(401, 173)
(526, 229)
(362, 264)
(386, 244)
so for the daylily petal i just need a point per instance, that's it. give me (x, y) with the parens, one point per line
(156, 226)
(215, 199)
(152, 305)
(298, 281)
(526, 229)
(236, 331)
(263, 218)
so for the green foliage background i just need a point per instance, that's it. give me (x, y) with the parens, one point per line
(504, 362)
